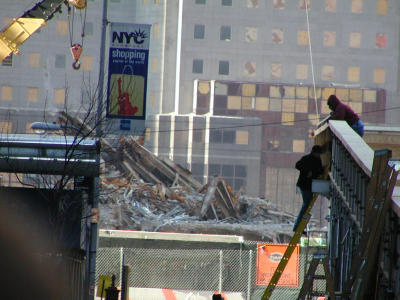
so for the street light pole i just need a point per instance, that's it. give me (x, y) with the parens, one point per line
(100, 104)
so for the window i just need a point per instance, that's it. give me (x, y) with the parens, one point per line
(252, 3)
(5, 127)
(382, 7)
(280, 4)
(250, 69)
(89, 28)
(356, 6)
(59, 96)
(355, 40)
(330, 5)
(327, 73)
(301, 71)
(62, 27)
(242, 137)
(199, 31)
(302, 37)
(380, 41)
(34, 60)
(7, 61)
(6, 93)
(304, 4)
(228, 136)
(226, 2)
(353, 74)
(329, 38)
(216, 136)
(276, 70)
(379, 75)
(287, 118)
(234, 102)
(200, 1)
(155, 30)
(251, 34)
(223, 67)
(225, 33)
(299, 146)
(60, 61)
(277, 36)
(33, 94)
(262, 103)
(154, 65)
(197, 67)
(87, 63)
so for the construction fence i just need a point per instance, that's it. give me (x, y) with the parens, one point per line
(198, 273)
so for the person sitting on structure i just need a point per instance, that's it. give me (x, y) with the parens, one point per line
(341, 111)
(310, 167)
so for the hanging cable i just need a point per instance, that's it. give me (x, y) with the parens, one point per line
(311, 61)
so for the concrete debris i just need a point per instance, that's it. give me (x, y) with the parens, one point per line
(140, 191)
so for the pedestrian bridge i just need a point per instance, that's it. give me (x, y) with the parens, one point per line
(364, 196)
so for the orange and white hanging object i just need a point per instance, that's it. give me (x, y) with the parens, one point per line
(79, 4)
(76, 51)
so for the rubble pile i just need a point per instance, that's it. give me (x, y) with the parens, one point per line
(142, 192)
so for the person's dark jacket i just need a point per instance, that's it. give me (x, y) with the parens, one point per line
(342, 111)
(306, 164)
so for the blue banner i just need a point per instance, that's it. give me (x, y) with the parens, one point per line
(127, 71)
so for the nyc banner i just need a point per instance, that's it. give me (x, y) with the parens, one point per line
(127, 71)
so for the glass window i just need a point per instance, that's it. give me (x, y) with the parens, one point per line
(225, 33)
(327, 73)
(226, 2)
(277, 36)
(355, 40)
(7, 61)
(215, 136)
(227, 170)
(330, 5)
(197, 169)
(156, 30)
(34, 60)
(228, 136)
(223, 67)
(248, 89)
(197, 67)
(59, 96)
(60, 61)
(252, 3)
(379, 75)
(276, 70)
(6, 93)
(369, 96)
(200, 1)
(240, 171)
(33, 94)
(247, 103)
(250, 69)
(242, 137)
(356, 6)
(89, 28)
(5, 127)
(329, 38)
(381, 40)
(302, 37)
(304, 3)
(214, 169)
(299, 146)
(382, 7)
(301, 71)
(234, 102)
(353, 74)
(199, 30)
(251, 34)
(279, 4)
(87, 63)
(301, 106)
(62, 27)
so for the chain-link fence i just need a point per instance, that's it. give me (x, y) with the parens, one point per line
(196, 270)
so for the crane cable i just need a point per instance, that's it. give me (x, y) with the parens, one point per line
(311, 61)
(76, 48)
